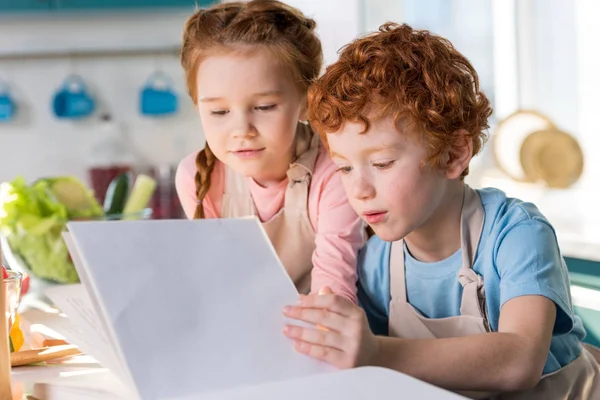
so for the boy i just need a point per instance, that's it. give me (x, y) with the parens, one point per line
(466, 289)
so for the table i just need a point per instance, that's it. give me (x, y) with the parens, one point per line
(82, 377)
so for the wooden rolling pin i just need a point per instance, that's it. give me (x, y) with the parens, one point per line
(26, 357)
(5, 390)
(53, 342)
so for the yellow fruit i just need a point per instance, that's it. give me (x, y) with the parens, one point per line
(16, 335)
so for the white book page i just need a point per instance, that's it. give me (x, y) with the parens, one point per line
(96, 315)
(101, 385)
(52, 392)
(196, 306)
(352, 384)
(81, 325)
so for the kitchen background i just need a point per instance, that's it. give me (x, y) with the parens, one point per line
(537, 55)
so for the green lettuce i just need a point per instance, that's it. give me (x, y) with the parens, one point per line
(33, 217)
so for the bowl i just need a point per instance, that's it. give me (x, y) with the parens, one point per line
(53, 265)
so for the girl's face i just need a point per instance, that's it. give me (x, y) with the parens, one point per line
(250, 108)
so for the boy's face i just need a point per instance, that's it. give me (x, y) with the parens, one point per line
(385, 176)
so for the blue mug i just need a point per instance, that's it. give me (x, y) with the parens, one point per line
(158, 98)
(8, 107)
(72, 100)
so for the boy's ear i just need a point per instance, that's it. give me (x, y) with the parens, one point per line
(460, 156)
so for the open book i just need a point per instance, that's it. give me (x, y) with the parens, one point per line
(186, 309)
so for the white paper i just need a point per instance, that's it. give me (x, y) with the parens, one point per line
(193, 306)
(94, 308)
(57, 392)
(100, 385)
(81, 325)
(353, 384)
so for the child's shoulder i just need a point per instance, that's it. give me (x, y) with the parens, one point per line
(185, 176)
(324, 168)
(503, 212)
(187, 166)
(374, 252)
(323, 162)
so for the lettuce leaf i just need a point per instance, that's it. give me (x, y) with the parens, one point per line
(33, 217)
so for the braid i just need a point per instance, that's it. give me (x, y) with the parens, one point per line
(205, 164)
(270, 23)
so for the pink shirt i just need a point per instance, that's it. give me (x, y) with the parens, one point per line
(339, 231)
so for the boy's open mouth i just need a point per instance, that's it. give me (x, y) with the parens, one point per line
(374, 216)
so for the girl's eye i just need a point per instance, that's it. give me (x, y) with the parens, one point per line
(266, 108)
(344, 170)
(383, 165)
(219, 112)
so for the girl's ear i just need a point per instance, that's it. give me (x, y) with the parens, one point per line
(303, 117)
(460, 155)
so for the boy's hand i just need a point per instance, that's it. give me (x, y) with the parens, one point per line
(345, 342)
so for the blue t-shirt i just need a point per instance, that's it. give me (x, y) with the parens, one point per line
(517, 255)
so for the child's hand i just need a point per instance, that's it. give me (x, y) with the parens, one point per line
(345, 342)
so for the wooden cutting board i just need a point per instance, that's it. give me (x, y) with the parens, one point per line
(26, 357)
(553, 157)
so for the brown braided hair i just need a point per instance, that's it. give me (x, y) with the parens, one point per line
(279, 27)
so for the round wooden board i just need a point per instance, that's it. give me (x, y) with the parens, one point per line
(552, 156)
(508, 137)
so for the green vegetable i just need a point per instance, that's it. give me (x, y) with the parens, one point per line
(33, 217)
(75, 196)
(141, 194)
(116, 194)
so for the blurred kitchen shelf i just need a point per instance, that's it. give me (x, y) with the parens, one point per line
(28, 6)
(96, 53)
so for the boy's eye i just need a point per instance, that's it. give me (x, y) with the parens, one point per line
(219, 112)
(265, 108)
(383, 165)
(344, 170)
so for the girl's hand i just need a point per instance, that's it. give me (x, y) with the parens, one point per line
(341, 335)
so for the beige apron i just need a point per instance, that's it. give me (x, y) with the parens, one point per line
(290, 230)
(578, 380)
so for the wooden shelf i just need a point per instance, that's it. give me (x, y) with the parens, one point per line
(86, 54)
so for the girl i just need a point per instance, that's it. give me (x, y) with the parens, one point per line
(466, 289)
(248, 67)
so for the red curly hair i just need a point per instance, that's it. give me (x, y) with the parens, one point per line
(412, 75)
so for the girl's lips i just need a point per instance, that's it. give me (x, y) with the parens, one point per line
(247, 153)
(373, 217)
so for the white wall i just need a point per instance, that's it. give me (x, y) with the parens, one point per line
(37, 144)
(588, 63)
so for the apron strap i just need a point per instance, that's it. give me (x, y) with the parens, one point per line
(397, 278)
(300, 172)
(235, 184)
(237, 200)
(473, 297)
(471, 225)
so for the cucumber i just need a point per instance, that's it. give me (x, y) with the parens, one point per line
(141, 194)
(116, 194)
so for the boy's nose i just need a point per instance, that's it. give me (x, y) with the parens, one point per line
(362, 189)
